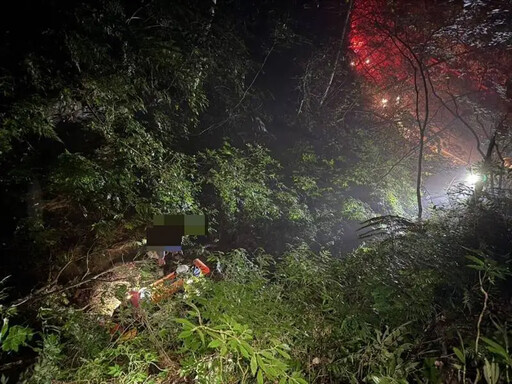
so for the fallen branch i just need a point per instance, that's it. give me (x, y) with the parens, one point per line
(40, 293)
(13, 364)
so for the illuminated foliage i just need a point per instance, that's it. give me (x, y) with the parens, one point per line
(465, 65)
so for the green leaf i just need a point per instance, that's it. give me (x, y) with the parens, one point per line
(184, 334)
(16, 338)
(272, 372)
(491, 372)
(259, 377)
(186, 323)
(214, 343)
(261, 364)
(475, 259)
(496, 348)
(233, 344)
(247, 347)
(254, 364)
(115, 370)
(480, 264)
(201, 336)
(296, 377)
(283, 353)
(243, 351)
(459, 354)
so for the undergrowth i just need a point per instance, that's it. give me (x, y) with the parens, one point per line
(427, 305)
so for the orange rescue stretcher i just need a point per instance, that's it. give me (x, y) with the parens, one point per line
(166, 286)
(157, 291)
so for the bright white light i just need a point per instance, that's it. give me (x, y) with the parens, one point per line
(397, 99)
(472, 179)
(367, 61)
(352, 63)
(384, 101)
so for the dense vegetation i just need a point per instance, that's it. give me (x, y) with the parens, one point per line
(253, 114)
(418, 305)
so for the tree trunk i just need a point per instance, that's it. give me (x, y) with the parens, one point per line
(340, 47)
(418, 176)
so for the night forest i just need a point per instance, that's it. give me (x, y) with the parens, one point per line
(353, 159)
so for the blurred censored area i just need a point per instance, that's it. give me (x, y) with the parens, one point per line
(167, 231)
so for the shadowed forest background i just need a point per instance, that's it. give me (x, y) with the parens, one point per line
(352, 157)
